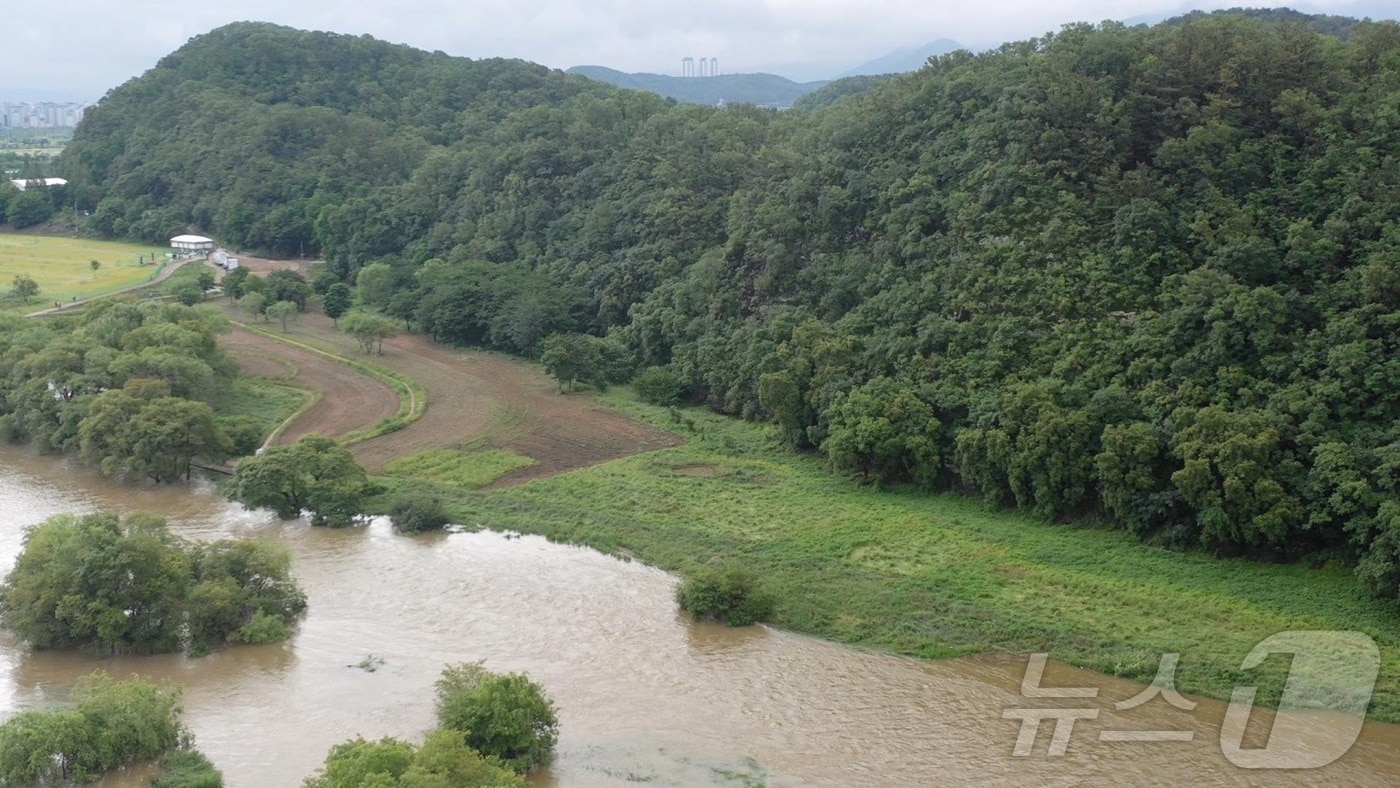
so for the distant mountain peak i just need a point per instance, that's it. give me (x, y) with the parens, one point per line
(765, 90)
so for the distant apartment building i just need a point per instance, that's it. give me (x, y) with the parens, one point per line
(40, 115)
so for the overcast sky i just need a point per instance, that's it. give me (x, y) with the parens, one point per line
(79, 49)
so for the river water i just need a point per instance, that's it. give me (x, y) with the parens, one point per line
(644, 696)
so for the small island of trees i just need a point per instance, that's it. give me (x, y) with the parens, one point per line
(115, 585)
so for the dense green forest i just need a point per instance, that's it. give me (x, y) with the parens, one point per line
(126, 385)
(1144, 275)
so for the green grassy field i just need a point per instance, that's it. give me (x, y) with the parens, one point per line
(472, 470)
(267, 403)
(62, 267)
(931, 576)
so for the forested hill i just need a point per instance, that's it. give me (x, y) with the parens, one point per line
(1146, 274)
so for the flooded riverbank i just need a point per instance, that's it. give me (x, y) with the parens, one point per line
(644, 696)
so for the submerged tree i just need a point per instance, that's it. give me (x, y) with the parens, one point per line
(314, 475)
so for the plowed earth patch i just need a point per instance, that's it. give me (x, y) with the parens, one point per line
(476, 400)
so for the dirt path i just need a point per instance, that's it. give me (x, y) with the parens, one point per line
(476, 400)
(351, 400)
(165, 273)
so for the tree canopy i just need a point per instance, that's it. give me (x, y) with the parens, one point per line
(314, 475)
(112, 585)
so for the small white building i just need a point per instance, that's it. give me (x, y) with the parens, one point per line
(23, 184)
(192, 244)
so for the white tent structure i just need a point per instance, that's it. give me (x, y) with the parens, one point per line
(192, 244)
(45, 182)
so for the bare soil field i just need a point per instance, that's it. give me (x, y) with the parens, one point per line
(352, 400)
(263, 267)
(476, 400)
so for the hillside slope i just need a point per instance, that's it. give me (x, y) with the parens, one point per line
(1148, 276)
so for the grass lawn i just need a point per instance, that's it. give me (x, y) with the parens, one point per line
(62, 267)
(268, 403)
(472, 470)
(931, 575)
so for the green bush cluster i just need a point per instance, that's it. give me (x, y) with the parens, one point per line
(413, 513)
(119, 586)
(110, 725)
(492, 729)
(728, 593)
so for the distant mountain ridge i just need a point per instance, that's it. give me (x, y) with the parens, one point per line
(765, 90)
(904, 60)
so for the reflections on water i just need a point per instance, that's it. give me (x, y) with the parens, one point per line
(643, 694)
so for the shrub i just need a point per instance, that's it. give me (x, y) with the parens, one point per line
(262, 629)
(415, 513)
(660, 386)
(187, 769)
(245, 434)
(114, 723)
(505, 716)
(731, 594)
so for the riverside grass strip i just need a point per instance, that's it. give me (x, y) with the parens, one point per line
(931, 575)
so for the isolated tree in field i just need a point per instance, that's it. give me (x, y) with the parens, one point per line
(313, 475)
(24, 287)
(505, 716)
(570, 358)
(368, 329)
(283, 311)
(335, 302)
(255, 304)
(94, 265)
(205, 280)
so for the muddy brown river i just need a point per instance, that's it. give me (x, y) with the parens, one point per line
(644, 696)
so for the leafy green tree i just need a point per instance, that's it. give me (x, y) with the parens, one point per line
(94, 265)
(660, 386)
(285, 284)
(131, 580)
(188, 294)
(368, 329)
(129, 586)
(572, 358)
(24, 287)
(30, 207)
(336, 301)
(255, 304)
(322, 282)
(205, 280)
(375, 285)
(283, 311)
(234, 282)
(313, 475)
(886, 431)
(152, 436)
(504, 716)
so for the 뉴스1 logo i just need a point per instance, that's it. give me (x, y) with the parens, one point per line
(1332, 670)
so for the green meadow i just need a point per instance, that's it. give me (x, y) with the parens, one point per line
(63, 266)
(928, 575)
(471, 470)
